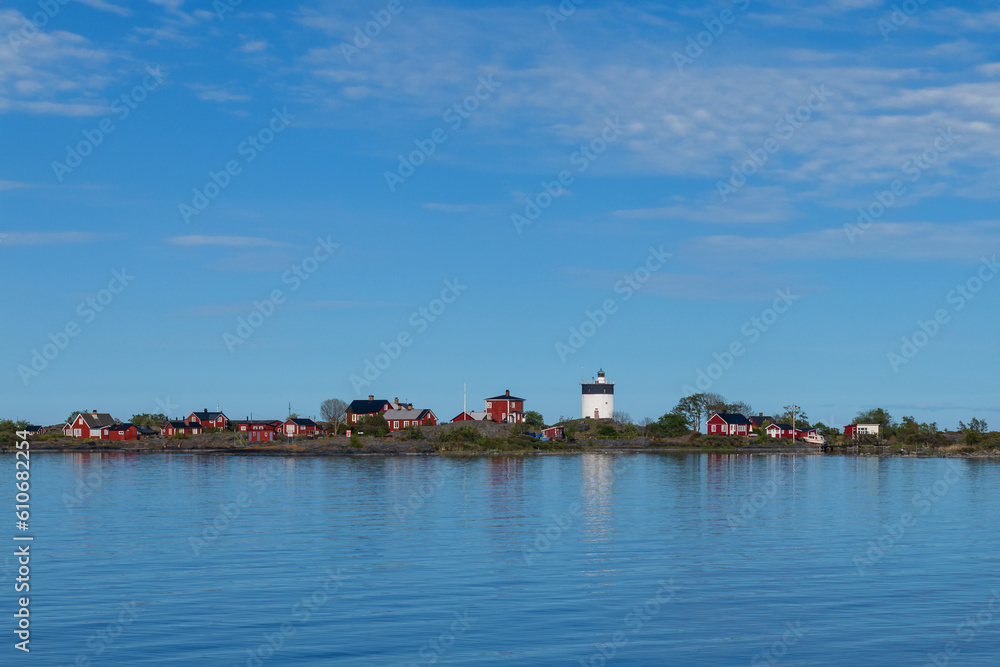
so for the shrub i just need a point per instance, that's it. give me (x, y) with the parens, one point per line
(181, 436)
(607, 431)
(414, 433)
(356, 441)
(464, 433)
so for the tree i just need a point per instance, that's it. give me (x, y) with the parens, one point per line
(975, 426)
(333, 410)
(373, 425)
(534, 419)
(149, 419)
(673, 425)
(796, 420)
(621, 417)
(740, 408)
(73, 415)
(713, 403)
(876, 416)
(691, 408)
(11, 425)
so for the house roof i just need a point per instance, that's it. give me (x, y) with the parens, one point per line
(208, 416)
(123, 427)
(757, 420)
(414, 415)
(504, 397)
(147, 430)
(180, 423)
(732, 418)
(273, 422)
(97, 420)
(302, 421)
(783, 427)
(362, 407)
(32, 428)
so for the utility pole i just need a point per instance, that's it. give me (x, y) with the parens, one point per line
(794, 408)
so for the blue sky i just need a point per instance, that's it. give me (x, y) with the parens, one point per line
(669, 172)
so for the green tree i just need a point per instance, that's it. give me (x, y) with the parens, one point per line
(373, 425)
(673, 425)
(534, 419)
(73, 415)
(333, 410)
(975, 426)
(801, 419)
(12, 426)
(692, 408)
(877, 416)
(148, 419)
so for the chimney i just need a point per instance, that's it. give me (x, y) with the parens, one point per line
(93, 412)
(760, 414)
(396, 401)
(508, 392)
(370, 397)
(409, 406)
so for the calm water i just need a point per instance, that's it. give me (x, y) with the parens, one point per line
(605, 559)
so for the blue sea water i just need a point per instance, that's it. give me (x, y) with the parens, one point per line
(593, 559)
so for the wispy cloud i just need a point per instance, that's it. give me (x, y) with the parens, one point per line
(215, 93)
(225, 241)
(47, 238)
(104, 6)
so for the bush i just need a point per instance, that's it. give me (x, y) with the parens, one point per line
(465, 433)
(356, 441)
(607, 431)
(181, 436)
(414, 433)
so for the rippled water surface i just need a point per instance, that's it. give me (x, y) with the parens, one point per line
(558, 560)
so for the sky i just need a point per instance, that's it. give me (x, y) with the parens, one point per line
(262, 204)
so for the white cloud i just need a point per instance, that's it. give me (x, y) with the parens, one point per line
(224, 241)
(46, 238)
(215, 93)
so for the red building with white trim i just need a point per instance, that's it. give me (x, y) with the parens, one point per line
(505, 408)
(724, 423)
(294, 426)
(208, 419)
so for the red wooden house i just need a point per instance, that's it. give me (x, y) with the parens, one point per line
(405, 416)
(123, 432)
(554, 433)
(858, 431)
(172, 428)
(505, 408)
(725, 423)
(294, 426)
(779, 430)
(89, 425)
(471, 416)
(208, 419)
(258, 430)
(358, 410)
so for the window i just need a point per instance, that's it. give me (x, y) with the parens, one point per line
(76, 432)
(395, 424)
(489, 404)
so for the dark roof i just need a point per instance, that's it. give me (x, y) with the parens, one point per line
(366, 407)
(97, 420)
(302, 421)
(208, 416)
(31, 428)
(757, 420)
(257, 421)
(783, 427)
(504, 397)
(147, 430)
(180, 423)
(733, 418)
(122, 427)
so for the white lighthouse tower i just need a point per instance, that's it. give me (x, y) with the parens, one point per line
(598, 397)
